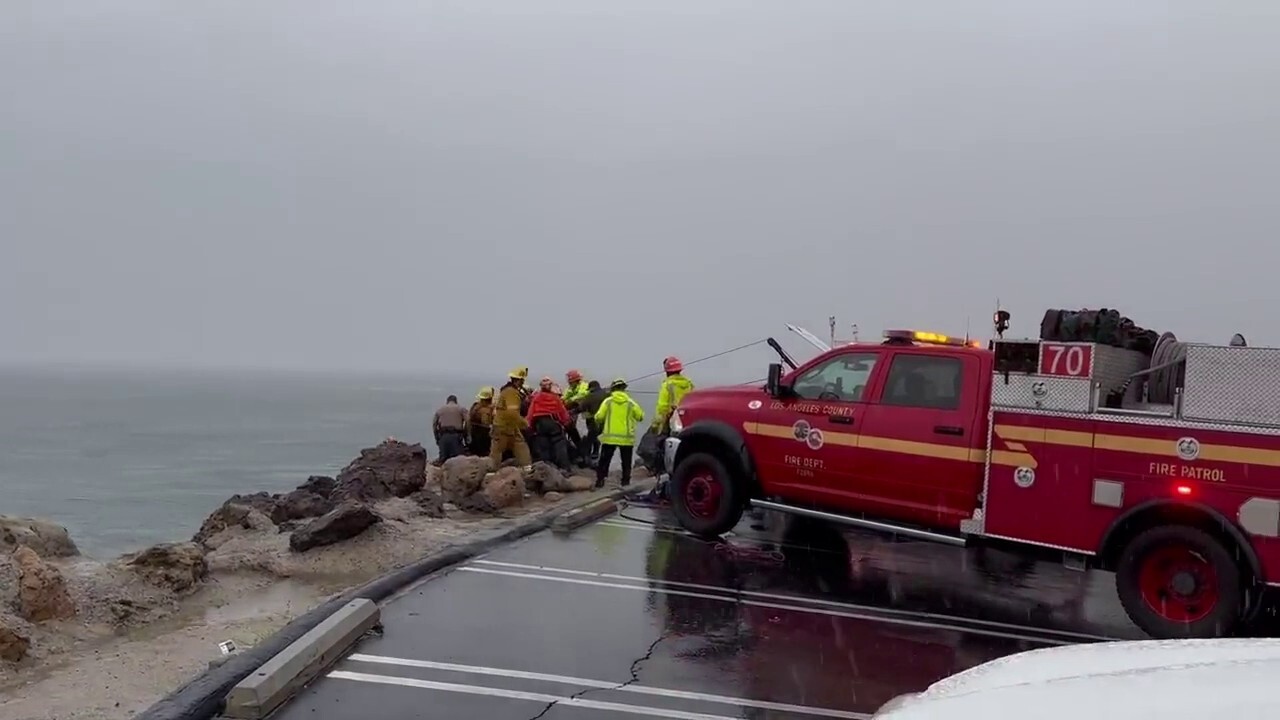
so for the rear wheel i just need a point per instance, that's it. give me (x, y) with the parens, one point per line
(1180, 582)
(705, 497)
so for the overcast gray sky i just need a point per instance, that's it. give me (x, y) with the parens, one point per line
(407, 184)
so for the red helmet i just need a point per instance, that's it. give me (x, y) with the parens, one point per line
(672, 364)
(573, 376)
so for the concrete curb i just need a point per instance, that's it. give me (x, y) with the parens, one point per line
(254, 697)
(202, 697)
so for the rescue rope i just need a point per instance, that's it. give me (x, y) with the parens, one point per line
(721, 547)
(722, 353)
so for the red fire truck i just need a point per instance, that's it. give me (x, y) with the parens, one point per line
(1161, 465)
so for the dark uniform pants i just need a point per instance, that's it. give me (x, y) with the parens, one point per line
(479, 440)
(606, 458)
(550, 442)
(450, 442)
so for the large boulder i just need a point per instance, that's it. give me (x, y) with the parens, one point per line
(431, 502)
(47, 539)
(579, 483)
(504, 488)
(544, 477)
(392, 469)
(236, 512)
(42, 591)
(15, 641)
(298, 504)
(176, 566)
(462, 477)
(343, 522)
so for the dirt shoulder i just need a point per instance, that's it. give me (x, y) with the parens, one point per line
(103, 641)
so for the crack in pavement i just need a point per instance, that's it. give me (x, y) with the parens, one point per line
(635, 677)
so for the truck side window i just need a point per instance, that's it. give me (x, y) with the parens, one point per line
(843, 378)
(926, 381)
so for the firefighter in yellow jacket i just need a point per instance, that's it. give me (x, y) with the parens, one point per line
(508, 422)
(617, 418)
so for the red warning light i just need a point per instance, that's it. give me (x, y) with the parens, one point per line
(1183, 490)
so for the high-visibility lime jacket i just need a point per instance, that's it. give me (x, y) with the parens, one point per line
(617, 418)
(574, 392)
(673, 390)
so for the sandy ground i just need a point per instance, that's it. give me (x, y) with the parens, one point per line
(88, 669)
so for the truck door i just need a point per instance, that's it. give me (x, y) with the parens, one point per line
(918, 438)
(806, 442)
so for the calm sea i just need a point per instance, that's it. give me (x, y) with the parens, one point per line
(125, 459)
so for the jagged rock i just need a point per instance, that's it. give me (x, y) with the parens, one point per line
(504, 488)
(234, 513)
(321, 485)
(462, 477)
(42, 591)
(477, 504)
(47, 539)
(14, 640)
(392, 469)
(544, 477)
(177, 566)
(300, 503)
(553, 496)
(343, 522)
(579, 483)
(431, 502)
(434, 476)
(255, 520)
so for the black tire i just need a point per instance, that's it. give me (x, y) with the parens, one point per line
(693, 477)
(1212, 609)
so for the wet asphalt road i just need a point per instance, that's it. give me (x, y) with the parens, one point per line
(631, 617)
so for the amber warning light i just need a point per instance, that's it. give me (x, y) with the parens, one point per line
(930, 338)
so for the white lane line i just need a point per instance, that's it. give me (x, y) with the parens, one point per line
(886, 619)
(606, 685)
(814, 601)
(560, 701)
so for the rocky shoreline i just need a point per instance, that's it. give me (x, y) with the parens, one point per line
(388, 507)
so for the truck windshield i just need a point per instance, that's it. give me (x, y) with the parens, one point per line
(842, 378)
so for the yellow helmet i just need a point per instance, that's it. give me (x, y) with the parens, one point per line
(519, 373)
(486, 393)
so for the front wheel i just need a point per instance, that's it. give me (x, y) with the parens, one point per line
(1180, 582)
(704, 496)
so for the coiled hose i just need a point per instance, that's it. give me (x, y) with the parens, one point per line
(1165, 373)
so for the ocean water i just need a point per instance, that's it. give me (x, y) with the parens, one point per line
(125, 459)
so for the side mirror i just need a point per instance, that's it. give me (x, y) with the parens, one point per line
(774, 384)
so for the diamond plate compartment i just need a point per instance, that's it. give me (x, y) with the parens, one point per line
(1042, 392)
(1112, 367)
(1232, 385)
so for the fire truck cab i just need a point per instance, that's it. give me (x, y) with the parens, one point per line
(1162, 465)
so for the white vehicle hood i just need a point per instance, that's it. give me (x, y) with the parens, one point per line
(1167, 679)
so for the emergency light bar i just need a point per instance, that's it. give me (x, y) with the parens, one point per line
(930, 338)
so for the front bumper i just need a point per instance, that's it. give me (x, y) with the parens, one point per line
(669, 448)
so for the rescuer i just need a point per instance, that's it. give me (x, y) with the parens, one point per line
(575, 390)
(674, 387)
(617, 418)
(588, 406)
(449, 426)
(480, 422)
(548, 418)
(508, 424)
